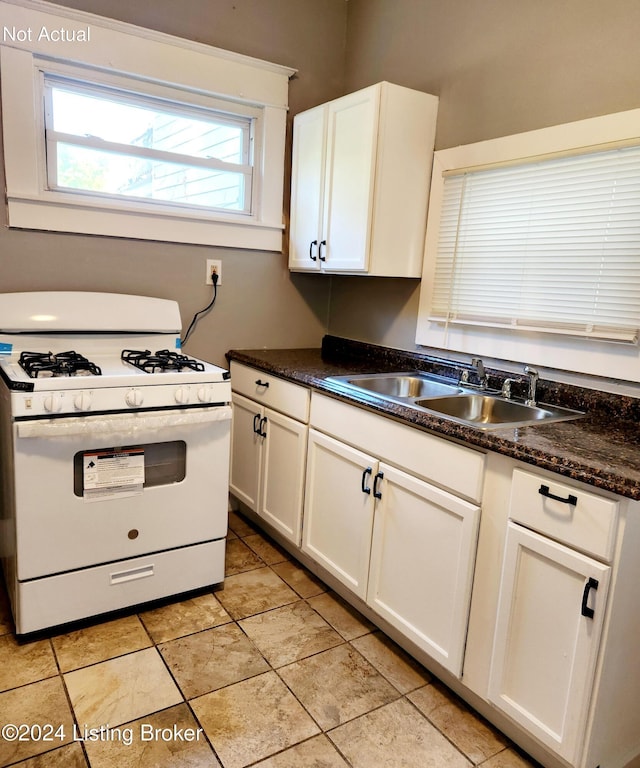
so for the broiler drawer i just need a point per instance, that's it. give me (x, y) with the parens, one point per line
(569, 514)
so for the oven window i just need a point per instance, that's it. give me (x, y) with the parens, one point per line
(164, 463)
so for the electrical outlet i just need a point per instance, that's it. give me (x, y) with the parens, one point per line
(213, 265)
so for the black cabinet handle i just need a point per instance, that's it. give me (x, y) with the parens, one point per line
(258, 424)
(376, 492)
(544, 491)
(261, 383)
(320, 256)
(311, 256)
(585, 610)
(364, 486)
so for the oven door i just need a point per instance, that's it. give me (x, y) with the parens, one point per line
(95, 489)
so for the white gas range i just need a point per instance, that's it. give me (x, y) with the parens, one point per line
(115, 456)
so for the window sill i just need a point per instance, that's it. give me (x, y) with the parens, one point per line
(52, 212)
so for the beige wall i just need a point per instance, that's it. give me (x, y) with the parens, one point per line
(499, 67)
(259, 303)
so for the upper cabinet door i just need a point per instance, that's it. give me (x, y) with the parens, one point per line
(307, 188)
(349, 178)
(360, 183)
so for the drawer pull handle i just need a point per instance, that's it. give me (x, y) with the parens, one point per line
(544, 491)
(261, 383)
(376, 493)
(592, 584)
(364, 486)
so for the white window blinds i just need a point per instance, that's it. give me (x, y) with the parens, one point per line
(550, 246)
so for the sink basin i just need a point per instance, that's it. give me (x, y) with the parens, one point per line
(399, 386)
(485, 411)
(441, 397)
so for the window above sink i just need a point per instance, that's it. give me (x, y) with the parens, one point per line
(460, 305)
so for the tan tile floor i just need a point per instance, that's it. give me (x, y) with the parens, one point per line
(273, 671)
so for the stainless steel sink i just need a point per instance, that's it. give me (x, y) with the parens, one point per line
(399, 386)
(441, 397)
(485, 411)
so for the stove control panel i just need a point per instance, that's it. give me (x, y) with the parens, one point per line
(87, 402)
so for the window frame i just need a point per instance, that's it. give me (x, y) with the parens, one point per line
(104, 50)
(562, 353)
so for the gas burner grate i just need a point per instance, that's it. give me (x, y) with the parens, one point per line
(160, 362)
(42, 364)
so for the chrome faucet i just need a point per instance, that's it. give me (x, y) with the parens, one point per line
(532, 384)
(477, 363)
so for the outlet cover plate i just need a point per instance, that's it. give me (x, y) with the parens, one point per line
(211, 265)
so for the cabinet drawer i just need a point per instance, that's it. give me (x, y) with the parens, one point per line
(446, 464)
(580, 519)
(290, 399)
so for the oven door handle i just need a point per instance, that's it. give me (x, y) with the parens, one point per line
(126, 425)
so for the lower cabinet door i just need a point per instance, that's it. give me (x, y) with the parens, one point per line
(422, 562)
(338, 509)
(549, 623)
(283, 465)
(246, 450)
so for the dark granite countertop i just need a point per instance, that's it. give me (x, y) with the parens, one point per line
(601, 449)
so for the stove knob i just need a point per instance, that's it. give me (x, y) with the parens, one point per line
(82, 401)
(53, 403)
(134, 398)
(182, 395)
(205, 394)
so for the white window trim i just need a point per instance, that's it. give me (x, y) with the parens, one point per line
(589, 356)
(115, 49)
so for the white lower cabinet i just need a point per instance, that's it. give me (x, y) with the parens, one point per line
(338, 509)
(267, 467)
(551, 609)
(549, 623)
(422, 561)
(399, 543)
(268, 448)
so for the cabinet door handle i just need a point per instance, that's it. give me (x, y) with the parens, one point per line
(544, 491)
(256, 423)
(261, 383)
(364, 486)
(311, 244)
(376, 493)
(261, 430)
(592, 584)
(320, 256)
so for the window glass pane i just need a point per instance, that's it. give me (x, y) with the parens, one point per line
(85, 168)
(111, 119)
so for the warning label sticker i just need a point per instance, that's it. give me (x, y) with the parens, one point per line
(113, 473)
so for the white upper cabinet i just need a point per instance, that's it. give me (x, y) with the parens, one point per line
(360, 184)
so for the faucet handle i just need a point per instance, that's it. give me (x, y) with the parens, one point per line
(532, 373)
(506, 388)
